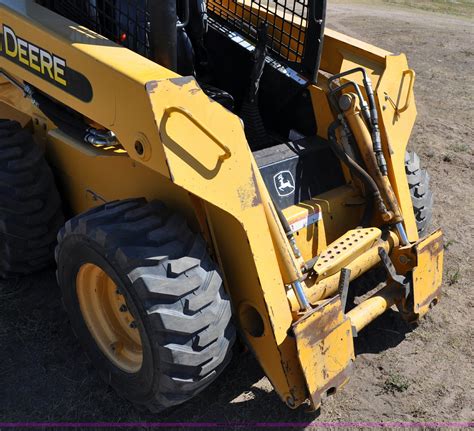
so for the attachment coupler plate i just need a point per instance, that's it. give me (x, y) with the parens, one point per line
(325, 349)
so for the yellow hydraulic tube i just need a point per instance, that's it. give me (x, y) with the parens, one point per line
(373, 307)
(290, 265)
(364, 142)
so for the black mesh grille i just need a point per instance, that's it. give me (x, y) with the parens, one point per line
(286, 41)
(295, 40)
(123, 21)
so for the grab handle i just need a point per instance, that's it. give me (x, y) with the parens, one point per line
(190, 117)
(411, 73)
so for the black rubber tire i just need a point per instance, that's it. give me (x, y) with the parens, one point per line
(172, 288)
(30, 207)
(421, 195)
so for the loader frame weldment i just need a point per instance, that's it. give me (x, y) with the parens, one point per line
(170, 141)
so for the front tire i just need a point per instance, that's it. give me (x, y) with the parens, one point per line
(167, 289)
(421, 195)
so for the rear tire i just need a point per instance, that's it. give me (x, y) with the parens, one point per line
(170, 286)
(421, 195)
(30, 207)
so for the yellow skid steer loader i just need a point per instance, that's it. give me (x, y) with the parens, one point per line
(201, 169)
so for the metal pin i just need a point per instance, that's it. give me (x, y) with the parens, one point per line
(402, 234)
(300, 296)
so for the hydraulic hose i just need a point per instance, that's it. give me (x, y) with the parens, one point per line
(64, 120)
(355, 168)
(67, 121)
(363, 104)
(374, 117)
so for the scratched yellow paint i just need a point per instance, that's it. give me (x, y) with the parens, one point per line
(428, 274)
(325, 349)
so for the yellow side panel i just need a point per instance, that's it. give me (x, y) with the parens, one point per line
(398, 114)
(338, 47)
(305, 220)
(323, 219)
(88, 176)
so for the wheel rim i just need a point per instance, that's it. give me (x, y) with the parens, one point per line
(108, 318)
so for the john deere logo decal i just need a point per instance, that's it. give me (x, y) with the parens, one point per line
(284, 183)
(44, 63)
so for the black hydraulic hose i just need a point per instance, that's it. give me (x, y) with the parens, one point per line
(375, 129)
(376, 139)
(348, 161)
(368, 89)
(69, 123)
(58, 114)
(53, 111)
(187, 13)
(357, 170)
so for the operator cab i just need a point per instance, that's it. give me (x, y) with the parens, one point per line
(245, 62)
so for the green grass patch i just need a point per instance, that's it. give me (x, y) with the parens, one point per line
(396, 383)
(453, 276)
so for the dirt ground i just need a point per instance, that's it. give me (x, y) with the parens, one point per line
(401, 375)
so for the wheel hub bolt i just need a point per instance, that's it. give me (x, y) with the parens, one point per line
(133, 325)
(123, 308)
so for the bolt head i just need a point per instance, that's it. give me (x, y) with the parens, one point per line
(345, 102)
(403, 259)
(290, 401)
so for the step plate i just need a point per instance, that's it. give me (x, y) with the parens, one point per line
(344, 250)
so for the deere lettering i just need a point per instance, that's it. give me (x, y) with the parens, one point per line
(43, 63)
(34, 57)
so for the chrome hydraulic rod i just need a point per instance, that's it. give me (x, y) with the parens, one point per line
(290, 262)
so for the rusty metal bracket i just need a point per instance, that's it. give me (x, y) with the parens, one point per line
(426, 279)
(344, 280)
(392, 272)
(325, 349)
